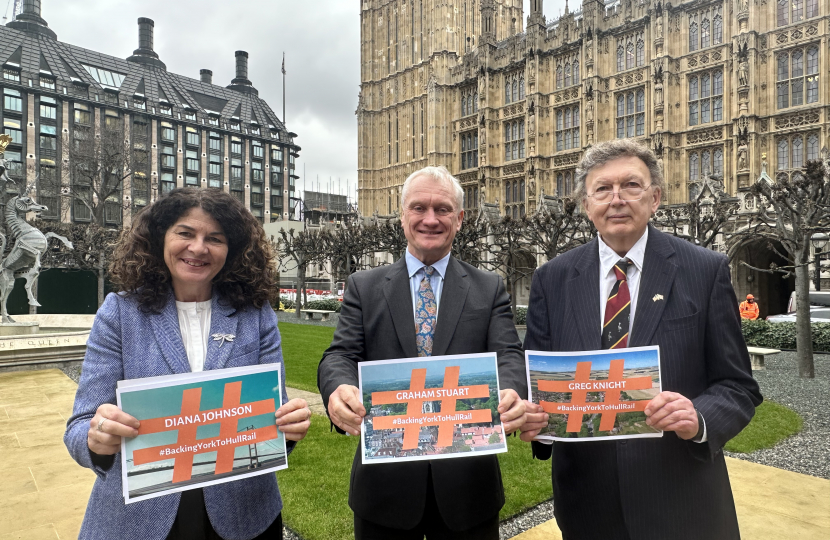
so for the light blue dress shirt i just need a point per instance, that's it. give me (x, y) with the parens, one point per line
(416, 275)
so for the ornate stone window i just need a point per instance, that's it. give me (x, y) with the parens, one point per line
(469, 150)
(793, 152)
(797, 75)
(705, 28)
(565, 183)
(706, 98)
(631, 114)
(567, 72)
(704, 162)
(471, 198)
(514, 198)
(469, 101)
(793, 11)
(630, 51)
(567, 128)
(514, 87)
(514, 140)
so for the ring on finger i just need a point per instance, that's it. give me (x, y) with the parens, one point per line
(101, 425)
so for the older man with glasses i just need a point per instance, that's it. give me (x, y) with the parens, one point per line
(636, 286)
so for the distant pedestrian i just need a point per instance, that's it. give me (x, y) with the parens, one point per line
(749, 309)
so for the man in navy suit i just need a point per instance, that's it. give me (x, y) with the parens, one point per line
(677, 296)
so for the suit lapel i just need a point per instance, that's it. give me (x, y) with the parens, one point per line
(222, 321)
(399, 299)
(584, 299)
(453, 295)
(655, 287)
(166, 329)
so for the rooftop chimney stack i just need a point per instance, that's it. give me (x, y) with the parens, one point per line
(241, 82)
(145, 53)
(29, 20)
(206, 76)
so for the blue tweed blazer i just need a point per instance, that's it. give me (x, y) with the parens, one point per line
(127, 343)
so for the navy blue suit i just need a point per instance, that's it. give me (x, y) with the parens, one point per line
(127, 343)
(662, 488)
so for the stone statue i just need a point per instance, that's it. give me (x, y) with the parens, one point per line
(742, 165)
(24, 258)
(589, 112)
(659, 27)
(743, 73)
(589, 52)
(658, 94)
(744, 5)
(531, 125)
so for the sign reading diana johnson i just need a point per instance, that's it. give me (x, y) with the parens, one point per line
(593, 395)
(199, 429)
(430, 408)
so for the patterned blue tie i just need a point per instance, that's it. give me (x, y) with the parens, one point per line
(425, 309)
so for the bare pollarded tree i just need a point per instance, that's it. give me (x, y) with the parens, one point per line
(792, 209)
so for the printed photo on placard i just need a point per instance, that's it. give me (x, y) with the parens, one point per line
(430, 408)
(595, 395)
(199, 429)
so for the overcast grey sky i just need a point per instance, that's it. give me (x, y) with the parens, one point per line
(321, 40)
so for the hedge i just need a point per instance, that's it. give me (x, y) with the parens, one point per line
(761, 333)
(330, 304)
(521, 314)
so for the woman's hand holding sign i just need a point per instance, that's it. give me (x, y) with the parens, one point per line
(107, 427)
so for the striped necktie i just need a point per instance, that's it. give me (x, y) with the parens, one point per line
(425, 310)
(617, 310)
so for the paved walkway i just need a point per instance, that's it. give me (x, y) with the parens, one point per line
(43, 493)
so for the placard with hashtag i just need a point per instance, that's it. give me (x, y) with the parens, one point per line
(596, 394)
(430, 408)
(199, 429)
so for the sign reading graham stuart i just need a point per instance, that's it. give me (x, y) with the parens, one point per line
(199, 429)
(595, 395)
(430, 408)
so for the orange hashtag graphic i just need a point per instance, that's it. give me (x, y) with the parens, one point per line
(414, 398)
(582, 384)
(183, 460)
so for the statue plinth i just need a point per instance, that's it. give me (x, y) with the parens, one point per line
(19, 328)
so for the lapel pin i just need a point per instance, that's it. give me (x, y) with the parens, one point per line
(657, 297)
(222, 338)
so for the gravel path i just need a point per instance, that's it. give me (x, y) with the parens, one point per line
(807, 452)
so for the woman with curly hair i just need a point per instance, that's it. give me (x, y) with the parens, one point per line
(195, 263)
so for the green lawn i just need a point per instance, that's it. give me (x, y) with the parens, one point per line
(771, 424)
(302, 348)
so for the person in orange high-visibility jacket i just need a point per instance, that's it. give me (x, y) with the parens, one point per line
(749, 309)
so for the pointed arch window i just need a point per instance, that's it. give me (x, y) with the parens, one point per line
(507, 91)
(575, 74)
(693, 37)
(620, 60)
(629, 56)
(783, 155)
(515, 90)
(812, 147)
(521, 87)
(717, 30)
(641, 52)
(705, 36)
(559, 76)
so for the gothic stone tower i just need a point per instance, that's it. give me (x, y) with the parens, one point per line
(408, 49)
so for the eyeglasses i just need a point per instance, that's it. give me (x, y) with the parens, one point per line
(631, 193)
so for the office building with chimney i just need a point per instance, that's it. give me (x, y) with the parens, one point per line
(178, 130)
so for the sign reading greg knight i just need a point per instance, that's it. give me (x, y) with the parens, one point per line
(595, 395)
(199, 429)
(430, 408)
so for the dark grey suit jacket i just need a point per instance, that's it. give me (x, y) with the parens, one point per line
(668, 487)
(377, 323)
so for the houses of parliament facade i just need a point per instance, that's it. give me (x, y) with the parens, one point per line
(713, 86)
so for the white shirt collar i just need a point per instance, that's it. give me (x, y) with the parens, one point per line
(608, 257)
(413, 264)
